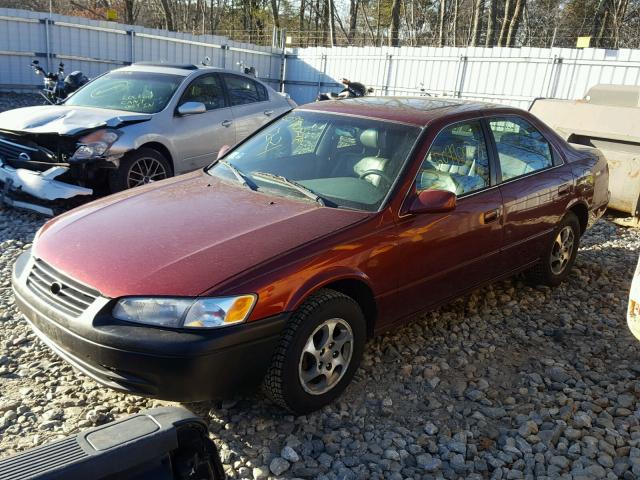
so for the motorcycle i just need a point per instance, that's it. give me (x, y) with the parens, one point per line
(57, 86)
(351, 90)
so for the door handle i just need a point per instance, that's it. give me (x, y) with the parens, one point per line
(564, 189)
(491, 215)
(268, 113)
(227, 123)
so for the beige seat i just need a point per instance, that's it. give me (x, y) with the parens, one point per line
(372, 139)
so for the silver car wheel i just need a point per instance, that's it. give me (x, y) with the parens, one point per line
(326, 356)
(146, 170)
(562, 250)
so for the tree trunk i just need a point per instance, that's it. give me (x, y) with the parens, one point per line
(455, 22)
(491, 24)
(514, 24)
(443, 7)
(332, 22)
(599, 21)
(478, 11)
(301, 21)
(394, 39)
(168, 14)
(505, 24)
(353, 20)
(274, 10)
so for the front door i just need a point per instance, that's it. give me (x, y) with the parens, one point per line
(198, 137)
(534, 188)
(443, 254)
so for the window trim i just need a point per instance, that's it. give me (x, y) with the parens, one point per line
(244, 77)
(552, 149)
(208, 74)
(492, 170)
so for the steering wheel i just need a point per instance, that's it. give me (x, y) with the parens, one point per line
(379, 173)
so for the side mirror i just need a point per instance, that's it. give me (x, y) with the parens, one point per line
(433, 201)
(223, 151)
(191, 108)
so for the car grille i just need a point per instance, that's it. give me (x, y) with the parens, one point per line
(12, 151)
(59, 291)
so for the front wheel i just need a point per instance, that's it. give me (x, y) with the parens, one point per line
(558, 258)
(320, 350)
(142, 166)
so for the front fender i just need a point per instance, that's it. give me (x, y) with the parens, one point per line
(321, 280)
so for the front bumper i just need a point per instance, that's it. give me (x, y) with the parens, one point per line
(174, 365)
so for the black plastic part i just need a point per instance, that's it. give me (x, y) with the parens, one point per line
(166, 443)
(182, 66)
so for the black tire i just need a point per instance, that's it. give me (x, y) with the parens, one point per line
(133, 164)
(543, 273)
(283, 383)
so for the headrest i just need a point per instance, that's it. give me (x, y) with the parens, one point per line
(371, 138)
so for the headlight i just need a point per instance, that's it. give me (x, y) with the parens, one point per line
(95, 144)
(185, 312)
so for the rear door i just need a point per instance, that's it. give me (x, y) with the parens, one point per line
(535, 188)
(250, 104)
(447, 253)
(198, 137)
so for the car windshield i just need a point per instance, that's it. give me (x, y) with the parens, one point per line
(337, 160)
(140, 92)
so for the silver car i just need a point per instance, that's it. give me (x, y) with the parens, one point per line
(132, 126)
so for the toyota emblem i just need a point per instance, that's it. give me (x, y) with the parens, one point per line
(24, 157)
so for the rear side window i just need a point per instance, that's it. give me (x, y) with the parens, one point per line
(243, 90)
(457, 160)
(522, 149)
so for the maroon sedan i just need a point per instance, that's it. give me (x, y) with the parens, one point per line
(331, 224)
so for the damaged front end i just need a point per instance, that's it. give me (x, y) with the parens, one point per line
(48, 167)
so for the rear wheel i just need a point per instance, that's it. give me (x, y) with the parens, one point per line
(559, 256)
(320, 350)
(140, 167)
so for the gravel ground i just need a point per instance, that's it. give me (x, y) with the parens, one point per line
(510, 382)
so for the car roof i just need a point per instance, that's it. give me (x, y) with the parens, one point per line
(418, 111)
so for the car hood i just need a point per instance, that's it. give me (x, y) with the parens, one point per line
(181, 237)
(64, 120)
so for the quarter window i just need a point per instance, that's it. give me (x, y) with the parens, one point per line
(521, 147)
(243, 90)
(206, 89)
(457, 160)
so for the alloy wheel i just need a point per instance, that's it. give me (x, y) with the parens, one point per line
(326, 356)
(146, 170)
(562, 250)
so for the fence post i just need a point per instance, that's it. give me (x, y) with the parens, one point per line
(283, 61)
(132, 46)
(462, 69)
(388, 65)
(323, 63)
(45, 21)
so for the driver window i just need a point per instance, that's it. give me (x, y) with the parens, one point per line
(206, 89)
(457, 161)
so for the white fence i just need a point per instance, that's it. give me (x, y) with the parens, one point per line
(95, 47)
(513, 76)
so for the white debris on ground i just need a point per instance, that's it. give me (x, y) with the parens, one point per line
(511, 382)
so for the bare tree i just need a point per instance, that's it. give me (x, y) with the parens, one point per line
(395, 23)
(478, 11)
(353, 20)
(491, 23)
(454, 22)
(441, 14)
(168, 14)
(274, 11)
(514, 24)
(505, 24)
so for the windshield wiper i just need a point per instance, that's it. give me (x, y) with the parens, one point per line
(307, 192)
(242, 178)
